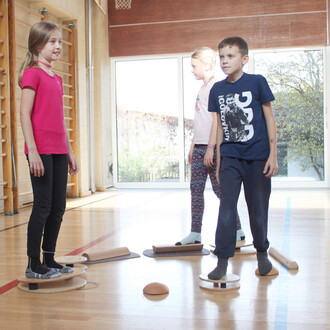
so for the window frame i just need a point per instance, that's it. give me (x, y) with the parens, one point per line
(277, 182)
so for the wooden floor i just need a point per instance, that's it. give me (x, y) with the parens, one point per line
(299, 226)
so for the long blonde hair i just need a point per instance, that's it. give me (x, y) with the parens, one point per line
(39, 35)
(205, 55)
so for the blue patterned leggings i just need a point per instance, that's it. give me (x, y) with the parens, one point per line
(199, 173)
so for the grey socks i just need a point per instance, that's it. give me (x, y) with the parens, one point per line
(264, 265)
(35, 265)
(50, 262)
(220, 270)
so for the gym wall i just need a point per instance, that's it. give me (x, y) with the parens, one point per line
(172, 26)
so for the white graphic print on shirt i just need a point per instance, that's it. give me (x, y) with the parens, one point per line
(236, 117)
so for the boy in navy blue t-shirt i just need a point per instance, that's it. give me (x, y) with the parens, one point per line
(247, 143)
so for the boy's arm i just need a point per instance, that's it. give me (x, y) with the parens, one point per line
(219, 141)
(208, 158)
(271, 167)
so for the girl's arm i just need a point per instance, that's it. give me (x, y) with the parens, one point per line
(73, 164)
(35, 162)
(219, 141)
(191, 151)
(208, 158)
(271, 167)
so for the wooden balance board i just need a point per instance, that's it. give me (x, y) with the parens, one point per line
(170, 251)
(273, 272)
(227, 283)
(177, 248)
(239, 246)
(70, 260)
(66, 282)
(114, 254)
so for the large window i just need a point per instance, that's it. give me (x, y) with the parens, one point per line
(296, 78)
(147, 120)
(154, 109)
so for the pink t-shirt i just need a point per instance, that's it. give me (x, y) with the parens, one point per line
(203, 118)
(47, 113)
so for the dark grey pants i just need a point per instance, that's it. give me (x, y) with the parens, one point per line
(257, 188)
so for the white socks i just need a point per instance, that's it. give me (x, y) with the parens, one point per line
(192, 238)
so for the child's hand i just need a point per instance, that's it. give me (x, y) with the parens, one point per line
(73, 165)
(190, 156)
(208, 158)
(217, 171)
(271, 167)
(36, 164)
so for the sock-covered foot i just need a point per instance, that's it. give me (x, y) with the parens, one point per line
(63, 269)
(264, 265)
(36, 270)
(219, 271)
(192, 238)
(51, 263)
(240, 236)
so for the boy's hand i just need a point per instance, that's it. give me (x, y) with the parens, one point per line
(208, 158)
(271, 167)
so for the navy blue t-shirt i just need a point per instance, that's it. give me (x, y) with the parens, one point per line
(239, 105)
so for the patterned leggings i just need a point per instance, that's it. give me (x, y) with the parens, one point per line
(198, 179)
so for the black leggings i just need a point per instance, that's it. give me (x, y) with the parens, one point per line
(49, 201)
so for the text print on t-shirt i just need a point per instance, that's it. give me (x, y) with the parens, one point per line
(236, 116)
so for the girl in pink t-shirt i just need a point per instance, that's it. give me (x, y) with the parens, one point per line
(201, 155)
(47, 147)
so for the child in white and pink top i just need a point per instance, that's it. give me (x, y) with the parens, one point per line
(202, 156)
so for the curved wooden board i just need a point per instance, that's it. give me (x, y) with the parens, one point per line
(244, 243)
(210, 287)
(78, 270)
(239, 244)
(273, 272)
(213, 285)
(228, 278)
(176, 248)
(107, 254)
(55, 286)
(70, 260)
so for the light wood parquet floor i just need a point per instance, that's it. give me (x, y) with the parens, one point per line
(299, 226)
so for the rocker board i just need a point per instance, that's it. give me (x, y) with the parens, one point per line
(150, 253)
(239, 246)
(244, 244)
(66, 282)
(177, 248)
(273, 272)
(114, 254)
(70, 260)
(220, 285)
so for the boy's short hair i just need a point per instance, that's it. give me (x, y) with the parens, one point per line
(235, 41)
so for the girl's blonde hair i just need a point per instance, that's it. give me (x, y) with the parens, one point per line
(205, 55)
(39, 35)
